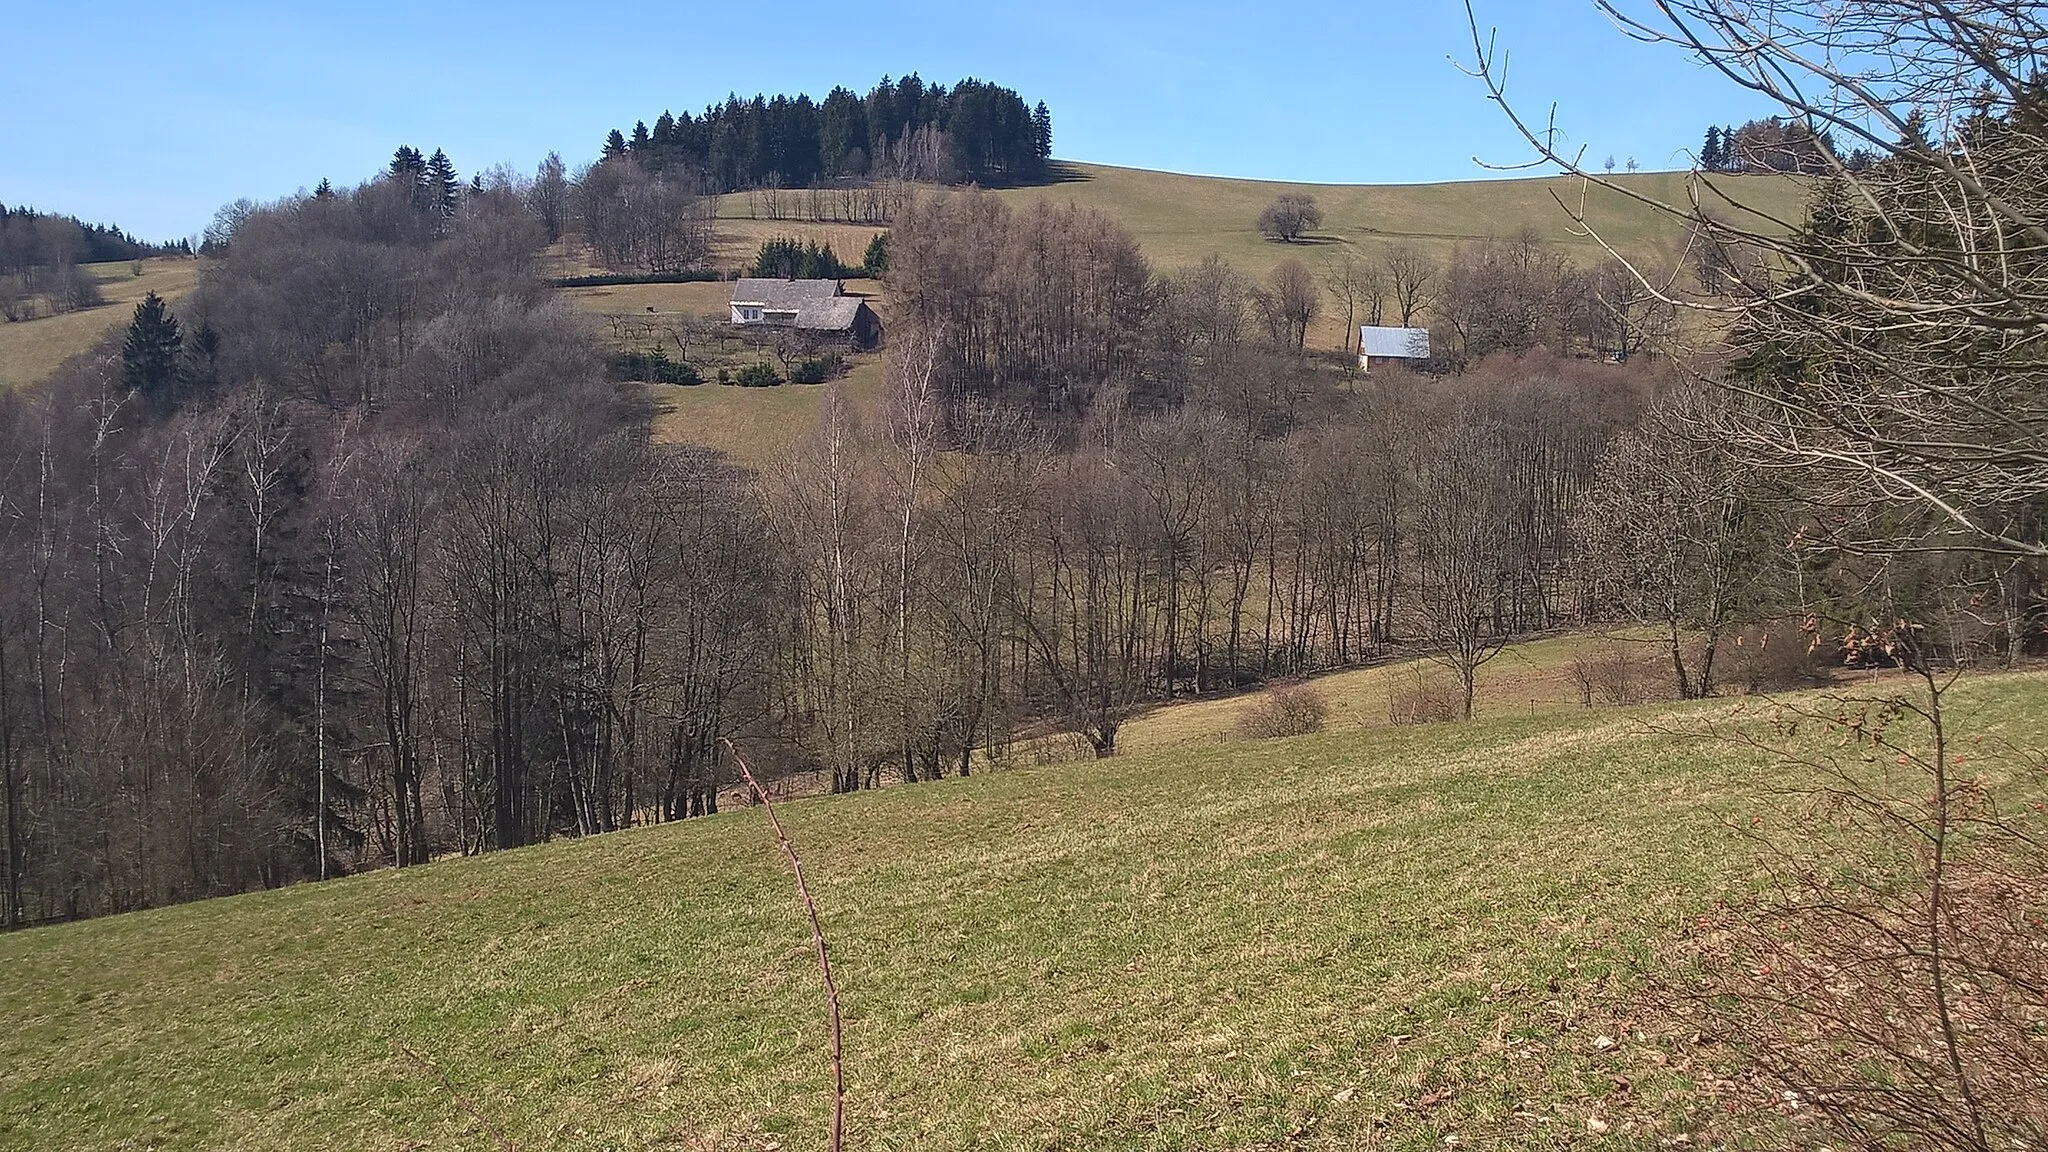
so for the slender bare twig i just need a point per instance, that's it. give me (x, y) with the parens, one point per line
(803, 890)
(497, 1134)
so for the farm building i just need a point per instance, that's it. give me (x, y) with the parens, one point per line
(1391, 344)
(820, 306)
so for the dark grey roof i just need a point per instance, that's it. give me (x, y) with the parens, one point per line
(834, 315)
(1402, 343)
(779, 294)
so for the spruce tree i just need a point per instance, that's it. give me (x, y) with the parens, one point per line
(407, 166)
(1710, 152)
(202, 359)
(639, 141)
(615, 144)
(443, 186)
(1041, 130)
(325, 191)
(876, 260)
(150, 354)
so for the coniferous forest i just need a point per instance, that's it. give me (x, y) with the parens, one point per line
(972, 132)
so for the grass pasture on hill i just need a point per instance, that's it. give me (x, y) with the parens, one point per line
(32, 349)
(1179, 219)
(757, 427)
(1376, 938)
(1525, 680)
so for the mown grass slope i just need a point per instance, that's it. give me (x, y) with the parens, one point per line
(32, 349)
(1370, 938)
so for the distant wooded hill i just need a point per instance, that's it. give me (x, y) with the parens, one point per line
(973, 131)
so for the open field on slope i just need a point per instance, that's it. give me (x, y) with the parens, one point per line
(32, 349)
(754, 427)
(1370, 938)
(1179, 219)
(757, 427)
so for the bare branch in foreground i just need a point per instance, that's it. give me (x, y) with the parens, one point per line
(803, 890)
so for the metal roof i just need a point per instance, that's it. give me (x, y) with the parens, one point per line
(782, 294)
(1398, 343)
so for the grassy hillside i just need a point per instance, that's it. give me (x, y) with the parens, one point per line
(1180, 219)
(1370, 938)
(32, 349)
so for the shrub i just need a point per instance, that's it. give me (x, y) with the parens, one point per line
(1289, 710)
(1421, 698)
(613, 280)
(653, 367)
(757, 376)
(818, 369)
(1774, 658)
(1615, 673)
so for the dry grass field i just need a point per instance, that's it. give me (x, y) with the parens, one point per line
(32, 349)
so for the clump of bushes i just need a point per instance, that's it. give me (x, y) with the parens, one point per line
(653, 367)
(757, 376)
(818, 369)
(1289, 710)
(1420, 698)
(1616, 673)
(1776, 658)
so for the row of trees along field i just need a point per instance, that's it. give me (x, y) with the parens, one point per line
(41, 257)
(357, 559)
(906, 129)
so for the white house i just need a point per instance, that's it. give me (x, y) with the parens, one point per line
(1391, 344)
(814, 305)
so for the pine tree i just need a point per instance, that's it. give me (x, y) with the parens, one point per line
(150, 354)
(1710, 152)
(444, 188)
(615, 144)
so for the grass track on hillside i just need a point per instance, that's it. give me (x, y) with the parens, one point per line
(1371, 938)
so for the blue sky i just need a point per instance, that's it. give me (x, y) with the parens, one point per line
(151, 116)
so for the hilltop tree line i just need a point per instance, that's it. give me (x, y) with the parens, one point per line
(1777, 144)
(41, 254)
(906, 129)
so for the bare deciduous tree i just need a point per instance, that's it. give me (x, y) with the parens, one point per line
(1289, 217)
